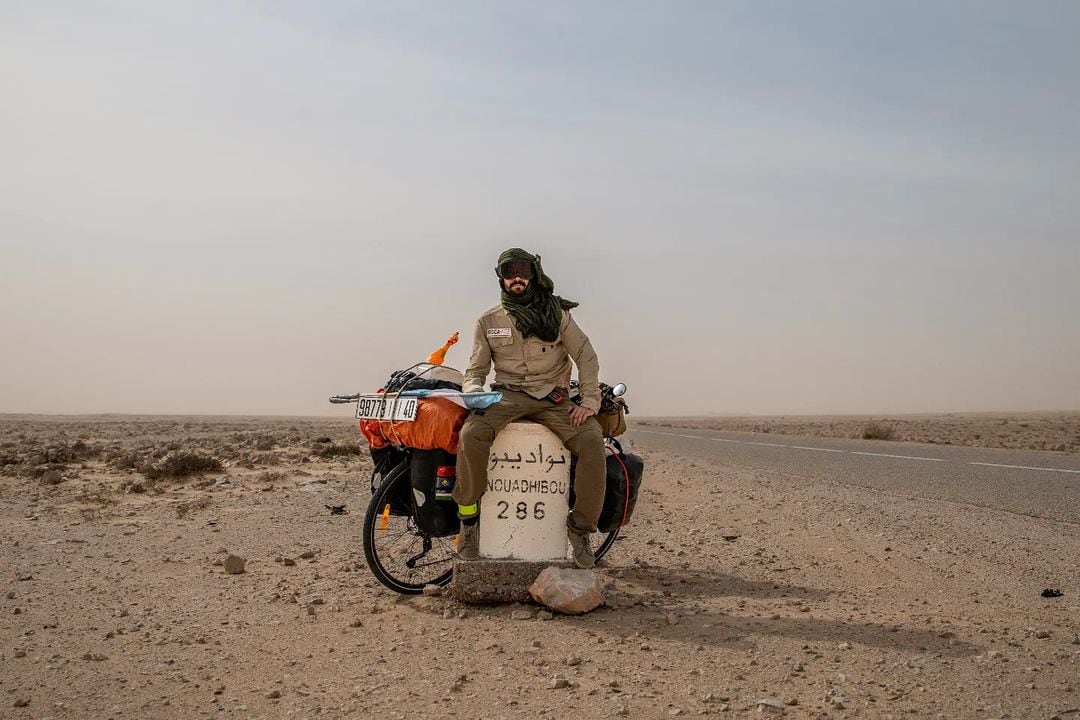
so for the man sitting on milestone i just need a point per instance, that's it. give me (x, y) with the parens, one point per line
(531, 338)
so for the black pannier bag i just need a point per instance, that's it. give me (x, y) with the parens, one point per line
(435, 516)
(624, 471)
(386, 460)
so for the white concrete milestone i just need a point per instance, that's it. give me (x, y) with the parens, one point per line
(523, 512)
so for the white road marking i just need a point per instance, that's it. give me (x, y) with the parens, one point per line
(1025, 467)
(853, 452)
(903, 457)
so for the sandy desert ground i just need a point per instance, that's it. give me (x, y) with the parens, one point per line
(1056, 431)
(731, 586)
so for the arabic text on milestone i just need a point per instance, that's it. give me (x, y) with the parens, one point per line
(515, 462)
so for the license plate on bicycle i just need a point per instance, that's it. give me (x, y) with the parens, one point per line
(381, 407)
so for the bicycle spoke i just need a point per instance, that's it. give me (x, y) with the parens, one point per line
(394, 549)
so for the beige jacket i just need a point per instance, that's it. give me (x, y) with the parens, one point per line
(530, 364)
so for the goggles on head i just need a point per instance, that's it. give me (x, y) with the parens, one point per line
(515, 268)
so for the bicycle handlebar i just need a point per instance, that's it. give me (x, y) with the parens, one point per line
(343, 399)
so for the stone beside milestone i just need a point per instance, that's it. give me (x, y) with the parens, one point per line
(568, 590)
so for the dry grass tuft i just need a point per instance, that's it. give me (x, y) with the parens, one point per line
(184, 507)
(99, 494)
(182, 463)
(335, 450)
(877, 431)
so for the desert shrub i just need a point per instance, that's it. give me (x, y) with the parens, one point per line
(265, 442)
(38, 471)
(134, 486)
(335, 450)
(877, 431)
(81, 450)
(186, 506)
(181, 464)
(265, 458)
(99, 494)
(131, 460)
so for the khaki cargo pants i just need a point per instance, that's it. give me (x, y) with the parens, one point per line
(585, 441)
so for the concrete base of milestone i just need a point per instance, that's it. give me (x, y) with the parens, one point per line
(496, 580)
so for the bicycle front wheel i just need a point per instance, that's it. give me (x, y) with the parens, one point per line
(400, 555)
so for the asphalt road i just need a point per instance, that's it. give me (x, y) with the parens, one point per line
(1037, 484)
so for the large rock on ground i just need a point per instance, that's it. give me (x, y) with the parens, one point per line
(234, 564)
(568, 590)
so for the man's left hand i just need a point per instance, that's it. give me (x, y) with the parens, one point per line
(579, 414)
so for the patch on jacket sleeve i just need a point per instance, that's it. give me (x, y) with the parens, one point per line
(498, 332)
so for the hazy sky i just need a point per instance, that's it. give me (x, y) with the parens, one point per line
(763, 207)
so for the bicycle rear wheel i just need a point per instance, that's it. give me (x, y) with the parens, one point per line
(606, 544)
(399, 554)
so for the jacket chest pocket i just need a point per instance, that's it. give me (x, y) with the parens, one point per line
(503, 347)
(540, 354)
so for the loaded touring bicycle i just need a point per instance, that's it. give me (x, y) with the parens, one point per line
(411, 424)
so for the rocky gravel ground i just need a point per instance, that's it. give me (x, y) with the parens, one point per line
(734, 593)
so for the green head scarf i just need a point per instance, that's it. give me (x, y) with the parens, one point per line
(539, 311)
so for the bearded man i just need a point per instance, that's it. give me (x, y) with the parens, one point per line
(531, 338)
